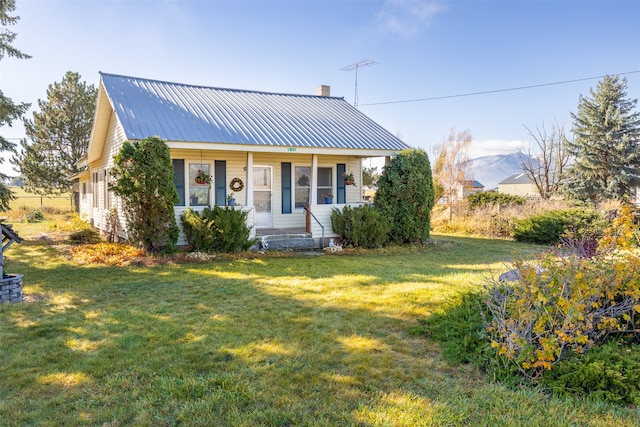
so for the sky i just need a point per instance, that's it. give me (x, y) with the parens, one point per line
(430, 56)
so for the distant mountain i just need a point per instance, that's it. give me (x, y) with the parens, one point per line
(490, 170)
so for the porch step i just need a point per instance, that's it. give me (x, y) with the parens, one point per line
(292, 241)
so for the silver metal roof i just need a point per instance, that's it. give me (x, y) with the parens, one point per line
(182, 112)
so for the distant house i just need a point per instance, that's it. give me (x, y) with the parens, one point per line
(519, 184)
(276, 152)
(467, 187)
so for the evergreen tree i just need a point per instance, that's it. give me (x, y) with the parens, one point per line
(606, 144)
(405, 195)
(9, 110)
(60, 135)
(144, 179)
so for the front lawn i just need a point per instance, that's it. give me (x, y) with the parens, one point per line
(262, 341)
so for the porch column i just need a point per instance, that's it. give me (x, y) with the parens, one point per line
(313, 197)
(249, 185)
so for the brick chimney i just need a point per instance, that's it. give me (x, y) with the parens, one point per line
(323, 90)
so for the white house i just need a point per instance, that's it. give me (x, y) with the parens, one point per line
(277, 152)
(519, 184)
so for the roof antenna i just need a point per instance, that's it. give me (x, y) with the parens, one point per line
(363, 63)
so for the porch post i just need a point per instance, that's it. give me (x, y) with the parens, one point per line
(249, 186)
(313, 197)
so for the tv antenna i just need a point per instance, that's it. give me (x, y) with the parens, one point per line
(363, 63)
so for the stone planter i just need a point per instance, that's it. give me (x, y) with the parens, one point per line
(11, 288)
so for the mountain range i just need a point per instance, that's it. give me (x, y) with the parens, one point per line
(490, 170)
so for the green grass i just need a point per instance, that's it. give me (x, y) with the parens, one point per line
(267, 341)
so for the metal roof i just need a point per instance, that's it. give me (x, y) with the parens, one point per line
(189, 113)
(516, 178)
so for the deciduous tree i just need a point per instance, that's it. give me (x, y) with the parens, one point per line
(59, 136)
(451, 168)
(606, 144)
(9, 110)
(545, 168)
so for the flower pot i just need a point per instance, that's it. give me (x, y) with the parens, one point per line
(231, 202)
(328, 200)
(200, 181)
(347, 182)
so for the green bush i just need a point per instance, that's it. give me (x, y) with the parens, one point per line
(609, 373)
(84, 236)
(34, 215)
(143, 178)
(405, 195)
(361, 226)
(492, 198)
(217, 229)
(547, 228)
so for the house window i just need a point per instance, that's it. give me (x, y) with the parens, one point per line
(302, 184)
(178, 179)
(325, 185)
(94, 179)
(199, 194)
(107, 193)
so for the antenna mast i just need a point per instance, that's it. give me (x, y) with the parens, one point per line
(363, 63)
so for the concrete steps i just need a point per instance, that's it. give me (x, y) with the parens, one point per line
(289, 241)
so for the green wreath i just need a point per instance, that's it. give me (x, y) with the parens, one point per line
(236, 185)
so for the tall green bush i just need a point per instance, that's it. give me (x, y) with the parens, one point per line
(217, 229)
(361, 226)
(144, 180)
(405, 195)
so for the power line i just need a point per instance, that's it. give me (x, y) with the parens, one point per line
(497, 90)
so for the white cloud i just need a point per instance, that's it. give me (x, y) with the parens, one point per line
(407, 17)
(492, 147)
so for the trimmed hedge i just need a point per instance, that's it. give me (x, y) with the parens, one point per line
(361, 226)
(217, 229)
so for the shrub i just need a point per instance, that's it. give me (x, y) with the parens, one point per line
(34, 215)
(84, 236)
(217, 229)
(144, 179)
(361, 226)
(609, 373)
(492, 198)
(561, 306)
(548, 227)
(405, 195)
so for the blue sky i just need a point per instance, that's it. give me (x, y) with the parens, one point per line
(423, 49)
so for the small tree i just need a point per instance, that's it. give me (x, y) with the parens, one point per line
(545, 169)
(144, 179)
(606, 145)
(9, 110)
(452, 165)
(405, 195)
(60, 135)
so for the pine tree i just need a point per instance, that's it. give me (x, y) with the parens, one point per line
(606, 144)
(60, 135)
(9, 110)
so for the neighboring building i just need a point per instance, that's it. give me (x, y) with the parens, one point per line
(278, 151)
(467, 187)
(519, 184)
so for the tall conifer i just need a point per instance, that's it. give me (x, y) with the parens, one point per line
(606, 143)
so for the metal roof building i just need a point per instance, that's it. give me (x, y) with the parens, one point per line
(189, 113)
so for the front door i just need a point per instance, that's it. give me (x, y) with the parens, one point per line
(262, 200)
